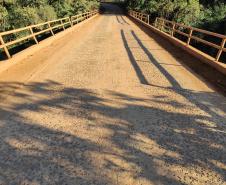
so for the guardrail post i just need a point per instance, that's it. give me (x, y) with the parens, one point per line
(148, 19)
(51, 30)
(76, 19)
(155, 23)
(33, 35)
(4, 47)
(221, 49)
(173, 29)
(71, 23)
(61, 21)
(189, 37)
(162, 25)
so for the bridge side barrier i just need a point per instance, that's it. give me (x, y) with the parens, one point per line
(190, 33)
(33, 31)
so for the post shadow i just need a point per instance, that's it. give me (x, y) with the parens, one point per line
(118, 20)
(124, 20)
(175, 85)
(152, 59)
(136, 67)
(191, 63)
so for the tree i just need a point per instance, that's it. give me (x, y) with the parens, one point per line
(19, 13)
(208, 14)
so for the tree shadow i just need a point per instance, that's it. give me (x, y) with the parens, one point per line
(31, 153)
(51, 133)
(143, 137)
(201, 142)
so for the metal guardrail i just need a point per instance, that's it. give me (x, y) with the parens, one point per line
(170, 28)
(49, 26)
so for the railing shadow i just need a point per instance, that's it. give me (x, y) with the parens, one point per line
(194, 65)
(175, 85)
(211, 103)
(118, 20)
(136, 67)
(124, 20)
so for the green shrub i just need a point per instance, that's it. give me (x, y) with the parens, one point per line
(208, 14)
(19, 13)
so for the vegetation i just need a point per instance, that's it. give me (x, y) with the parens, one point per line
(206, 14)
(20, 13)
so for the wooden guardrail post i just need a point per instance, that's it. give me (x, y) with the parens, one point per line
(51, 30)
(33, 35)
(190, 35)
(148, 19)
(221, 49)
(4, 47)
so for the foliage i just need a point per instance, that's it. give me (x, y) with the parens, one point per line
(208, 14)
(19, 13)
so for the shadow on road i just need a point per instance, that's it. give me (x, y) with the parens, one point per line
(204, 136)
(33, 153)
(136, 67)
(213, 76)
(144, 139)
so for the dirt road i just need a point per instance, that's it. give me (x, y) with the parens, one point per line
(109, 105)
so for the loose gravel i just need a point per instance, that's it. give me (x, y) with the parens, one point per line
(108, 104)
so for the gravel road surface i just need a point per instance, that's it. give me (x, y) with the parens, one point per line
(108, 104)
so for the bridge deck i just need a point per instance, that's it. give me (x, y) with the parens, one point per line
(108, 104)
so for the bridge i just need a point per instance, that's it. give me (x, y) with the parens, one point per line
(110, 101)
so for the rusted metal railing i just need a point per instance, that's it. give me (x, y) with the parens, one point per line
(49, 26)
(190, 33)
